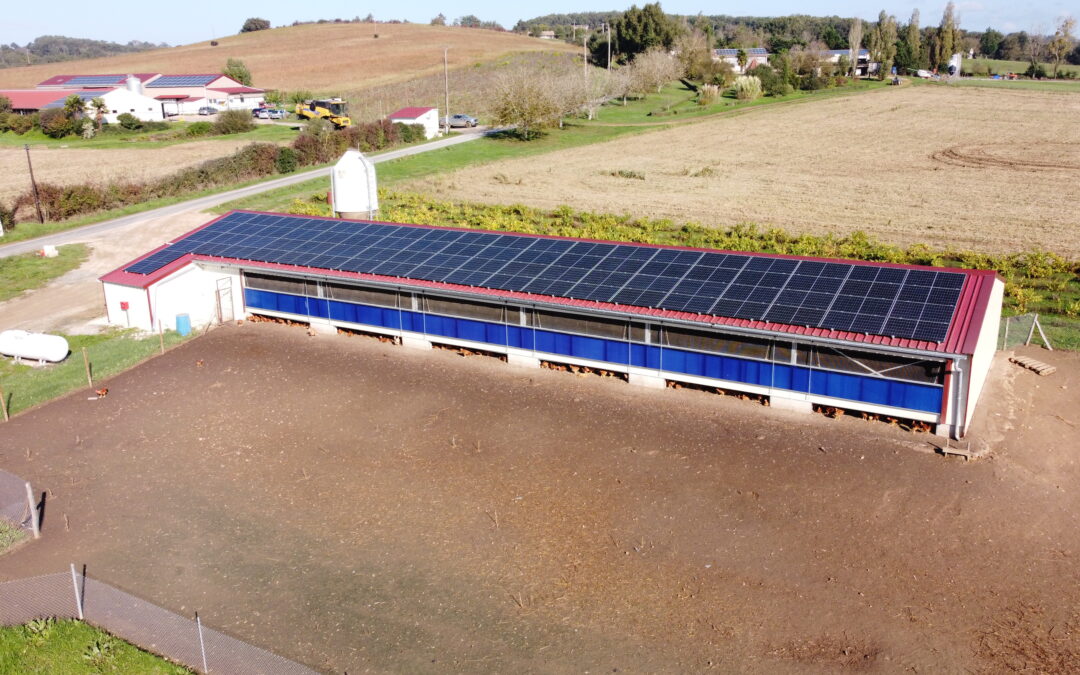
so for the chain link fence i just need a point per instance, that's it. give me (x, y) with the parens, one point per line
(1018, 330)
(14, 506)
(177, 638)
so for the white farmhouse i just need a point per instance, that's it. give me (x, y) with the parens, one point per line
(426, 117)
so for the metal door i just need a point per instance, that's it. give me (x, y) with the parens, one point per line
(224, 300)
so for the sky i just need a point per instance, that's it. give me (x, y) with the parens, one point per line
(197, 20)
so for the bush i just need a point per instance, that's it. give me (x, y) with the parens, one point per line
(707, 94)
(155, 125)
(200, 128)
(253, 24)
(286, 160)
(233, 122)
(20, 124)
(55, 124)
(129, 121)
(747, 88)
(5, 105)
(410, 133)
(1036, 71)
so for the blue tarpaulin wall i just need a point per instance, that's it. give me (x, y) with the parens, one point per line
(876, 390)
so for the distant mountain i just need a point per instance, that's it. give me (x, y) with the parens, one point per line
(56, 48)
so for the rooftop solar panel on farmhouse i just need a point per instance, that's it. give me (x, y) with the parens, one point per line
(95, 81)
(183, 81)
(898, 302)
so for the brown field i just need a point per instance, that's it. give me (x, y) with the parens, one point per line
(974, 168)
(65, 166)
(325, 58)
(363, 507)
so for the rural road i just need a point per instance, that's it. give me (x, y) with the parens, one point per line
(96, 229)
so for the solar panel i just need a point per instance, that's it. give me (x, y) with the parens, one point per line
(95, 80)
(183, 81)
(859, 297)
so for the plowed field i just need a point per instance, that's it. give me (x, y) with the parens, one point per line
(987, 170)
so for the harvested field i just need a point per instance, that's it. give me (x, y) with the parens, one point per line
(317, 57)
(992, 171)
(65, 166)
(364, 507)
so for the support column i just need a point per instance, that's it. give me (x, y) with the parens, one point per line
(943, 430)
(415, 342)
(793, 404)
(650, 381)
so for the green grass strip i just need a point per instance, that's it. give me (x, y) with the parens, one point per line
(21, 273)
(75, 648)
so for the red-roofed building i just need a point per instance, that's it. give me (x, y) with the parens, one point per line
(426, 117)
(117, 100)
(108, 81)
(182, 94)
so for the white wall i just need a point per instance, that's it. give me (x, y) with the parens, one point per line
(429, 120)
(985, 348)
(119, 101)
(191, 290)
(138, 312)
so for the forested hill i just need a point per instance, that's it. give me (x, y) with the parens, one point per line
(56, 48)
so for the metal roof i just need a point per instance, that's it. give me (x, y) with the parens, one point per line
(196, 80)
(963, 328)
(32, 99)
(84, 81)
(751, 51)
(409, 113)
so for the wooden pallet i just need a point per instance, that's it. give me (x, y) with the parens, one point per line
(1035, 365)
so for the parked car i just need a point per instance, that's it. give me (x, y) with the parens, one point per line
(460, 120)
(269, 113)
(208, 110)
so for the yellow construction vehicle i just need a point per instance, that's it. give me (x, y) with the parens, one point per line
(333, 110)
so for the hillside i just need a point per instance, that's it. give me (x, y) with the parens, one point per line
(317, 57)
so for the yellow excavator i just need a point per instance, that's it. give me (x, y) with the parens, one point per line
(333, 110)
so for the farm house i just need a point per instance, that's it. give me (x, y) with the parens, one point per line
(425, 117)
(895, 340)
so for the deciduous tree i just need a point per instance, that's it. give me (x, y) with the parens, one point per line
(855, 36)
(253, 24)
(1062, 42)
(882, 44)
(236, 69)
(526, 98)
(654, 68)
(639, 30)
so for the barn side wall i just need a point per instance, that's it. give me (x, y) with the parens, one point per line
(985, 349)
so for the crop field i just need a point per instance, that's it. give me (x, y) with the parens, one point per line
(63, 166)
(318, 57)
(987, 170)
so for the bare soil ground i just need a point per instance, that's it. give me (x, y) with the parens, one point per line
(65, 166)
(364, 507)
(973, 168)
(314, 57)
(73, 303)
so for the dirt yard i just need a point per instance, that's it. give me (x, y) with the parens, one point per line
(975, 168)
(71, 165)
(364, 507)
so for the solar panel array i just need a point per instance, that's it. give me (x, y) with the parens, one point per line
(95, 81)
(907, 303)
(183, 80)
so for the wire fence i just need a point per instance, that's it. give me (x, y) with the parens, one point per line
(177, 638)
(14, 505)
(1020, 330)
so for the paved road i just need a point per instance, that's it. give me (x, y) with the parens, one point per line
(87, 231)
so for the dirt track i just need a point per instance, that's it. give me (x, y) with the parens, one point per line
(972, 168)
(361, 506)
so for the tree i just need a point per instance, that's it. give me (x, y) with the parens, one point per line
(654, 68)
(946, 36)
(1062, 43)
(882, 44)
(253, 24)
(694, 51)
(99, 106)
(855, 35)
(913, 38)
(741, 58)
(74, 107)
(527, 99)
(236, 69)
(990, 42)
(639, 30)
(5, 105)
(440, 20)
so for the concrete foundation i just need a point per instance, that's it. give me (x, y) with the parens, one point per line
(943, 430)
(415, 342)
(522, 361)
(650, 381)
(796, 405)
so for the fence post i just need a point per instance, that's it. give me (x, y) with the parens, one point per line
(3, 404)
(33, 512)
(202, 645)
(1031, 332)
(78, 597)
(86, 362)
(1005, 342)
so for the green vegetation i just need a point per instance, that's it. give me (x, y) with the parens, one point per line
(9, 536)
(1033, 85)
(1003, 67)
(1036, 281)
(178, 132)
(21, 273)
(109, 353)
(73, 647)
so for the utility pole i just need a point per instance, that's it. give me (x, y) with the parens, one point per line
(33, 183)
(446, 88)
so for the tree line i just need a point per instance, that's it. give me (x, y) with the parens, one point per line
(57, 48)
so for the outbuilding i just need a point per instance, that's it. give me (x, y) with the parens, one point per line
(426, 117)
(896, 340)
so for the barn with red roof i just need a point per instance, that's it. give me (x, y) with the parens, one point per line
(901, 341)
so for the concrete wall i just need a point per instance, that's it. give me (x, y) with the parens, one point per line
(120, 101)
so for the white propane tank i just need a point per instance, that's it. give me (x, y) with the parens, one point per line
(33, 346)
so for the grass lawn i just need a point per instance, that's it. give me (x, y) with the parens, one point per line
(21, 273)
(151, 140)
(73, 647)
(109, 353)
(999, 67)
(9, 536)
(1038, 85)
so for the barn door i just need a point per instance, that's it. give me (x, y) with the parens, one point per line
(224, 300)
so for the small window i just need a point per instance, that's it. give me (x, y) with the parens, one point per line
(361, 295)
(571, 323)
(718, 343)
(268, 282)
(466, 309)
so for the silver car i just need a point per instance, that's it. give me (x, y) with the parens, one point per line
(460, 120)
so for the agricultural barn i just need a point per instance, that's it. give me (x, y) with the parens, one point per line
(117, 102)
(175, 94)
(897, 340)
(426, 117)
(755, 56)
